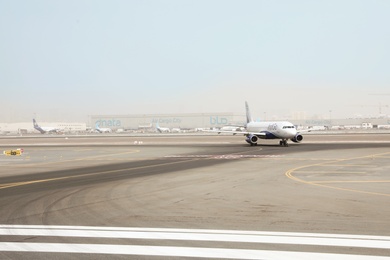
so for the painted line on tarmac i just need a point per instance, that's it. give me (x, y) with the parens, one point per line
(170, 251)
(351, 165)
(346, 142)
(329, 172)
(76, 159)
(162, 234)
(289, 174)
(15, 184)
(381, 242)
(373, 181)
(225, 156)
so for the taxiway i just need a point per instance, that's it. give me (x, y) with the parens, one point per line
(180, 191)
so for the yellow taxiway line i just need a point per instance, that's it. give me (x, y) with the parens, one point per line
(290, 175)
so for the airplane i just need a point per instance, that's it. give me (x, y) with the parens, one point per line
(45, 129)
(102, 130)
(232, 128)
(162, 129)
(176, 130)
(267, 130)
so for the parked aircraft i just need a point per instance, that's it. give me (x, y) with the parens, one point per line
(177, 130)
(45, 129)
(236, 128)
(162, 129)
(170, 130)
(267, 130)
(102, 130)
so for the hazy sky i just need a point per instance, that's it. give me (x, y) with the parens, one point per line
(65, 60)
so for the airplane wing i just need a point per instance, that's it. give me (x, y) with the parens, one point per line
(304, 131)
(235, 132)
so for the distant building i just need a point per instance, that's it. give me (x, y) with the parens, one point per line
(298, 115)
(191, 121)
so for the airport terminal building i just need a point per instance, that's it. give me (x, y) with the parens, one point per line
(182, 121)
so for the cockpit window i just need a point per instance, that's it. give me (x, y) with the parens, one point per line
(288, 126)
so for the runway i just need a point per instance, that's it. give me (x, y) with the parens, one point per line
(195, 196)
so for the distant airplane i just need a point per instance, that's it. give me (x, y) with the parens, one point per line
(102, 130)
(236, 128)
(45, 129)
(267, 130)
(176, 130)
(162, 129)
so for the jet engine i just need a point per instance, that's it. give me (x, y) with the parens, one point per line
(297, 138)
(251, 139)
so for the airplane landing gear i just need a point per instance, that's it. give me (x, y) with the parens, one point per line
(283, 143)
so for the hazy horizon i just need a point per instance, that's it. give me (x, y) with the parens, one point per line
(65, 60)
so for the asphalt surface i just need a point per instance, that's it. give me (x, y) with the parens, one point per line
(328, 184)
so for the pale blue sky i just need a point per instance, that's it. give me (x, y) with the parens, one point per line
(64, 60)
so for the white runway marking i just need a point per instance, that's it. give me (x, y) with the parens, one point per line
(224, 156)
(176, 251)
(203, 235)
(310, 239)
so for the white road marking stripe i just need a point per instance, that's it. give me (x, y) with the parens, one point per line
(208, 231)
(382, 242)
(175, 251)
(346, 141)
(225, 156)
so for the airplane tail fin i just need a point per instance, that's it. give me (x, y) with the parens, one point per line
(97, 128)
(158, 127)
(248, 113)
(37, 127)
(35, 123)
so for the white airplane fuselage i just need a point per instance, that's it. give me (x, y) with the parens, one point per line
(163, 129)
(102, 130)
(273, 130)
